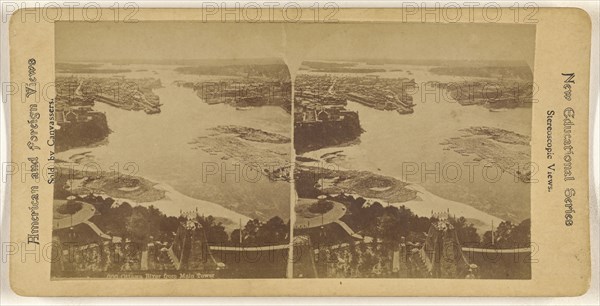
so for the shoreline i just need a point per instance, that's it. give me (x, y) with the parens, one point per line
(439, 204)
(174, 203)
(171, 203)
(424, 204)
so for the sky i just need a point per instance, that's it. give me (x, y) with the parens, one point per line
(419, 41)
(85, 41)
(106, 41)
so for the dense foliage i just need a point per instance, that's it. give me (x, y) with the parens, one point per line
(144, 224)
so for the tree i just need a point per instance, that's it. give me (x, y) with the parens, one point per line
(508, 236)
(168, 226)
(391, 225)
(274, 231)
(250, 231)
(215, 232)
(138, 227)
(235, 237)
(420, 224)
(521, 234)
(466, 232)
(113, 220)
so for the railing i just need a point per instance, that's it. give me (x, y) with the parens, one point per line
(253, 249)
(497, 251)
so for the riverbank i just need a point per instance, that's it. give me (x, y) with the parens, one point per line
(112, 184)
(426, 202)
(263, 152)
(251, 134)
(507, 150)
(137, 190)
(315, 177)
(313, 181)
(305, 218)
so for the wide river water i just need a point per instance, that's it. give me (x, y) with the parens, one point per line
(393, 142)
(160, 146)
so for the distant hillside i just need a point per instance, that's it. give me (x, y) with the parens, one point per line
(275, 71)
(517, 72)
(192, 62)
(86, 68)
(426, 62)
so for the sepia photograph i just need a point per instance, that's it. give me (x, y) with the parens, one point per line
(311, 151)
(413, 151)
(174, 150)
(409, 161)
(410, 151)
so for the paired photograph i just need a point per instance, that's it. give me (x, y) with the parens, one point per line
(191, 150)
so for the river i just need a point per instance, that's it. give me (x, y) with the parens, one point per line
(395, 145)
(159, 144)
